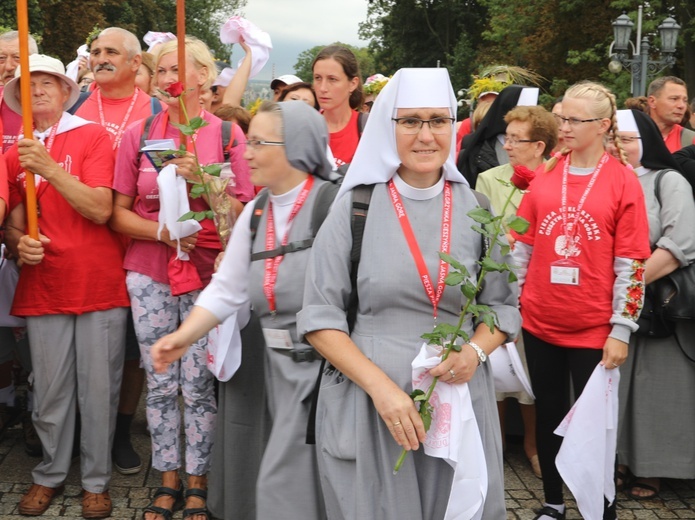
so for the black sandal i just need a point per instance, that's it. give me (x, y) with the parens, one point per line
(193, 511)
(177, 494)
(549, 511)
(626, 478)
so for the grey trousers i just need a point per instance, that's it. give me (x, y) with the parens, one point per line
(77, 361)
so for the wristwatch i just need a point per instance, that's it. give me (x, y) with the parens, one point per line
(482, 356)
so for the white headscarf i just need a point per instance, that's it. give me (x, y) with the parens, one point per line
(376, 159)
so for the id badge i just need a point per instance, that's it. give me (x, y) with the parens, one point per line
(564, 272)
(278, 339)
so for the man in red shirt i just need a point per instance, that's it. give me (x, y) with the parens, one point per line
(667, 98)
(71, 288)
(115, 57)
(10, 346)
(10, 121)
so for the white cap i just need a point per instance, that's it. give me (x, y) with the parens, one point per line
(287, 79)
(48, 65)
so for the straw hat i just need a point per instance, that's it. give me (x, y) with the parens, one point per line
(47, 65)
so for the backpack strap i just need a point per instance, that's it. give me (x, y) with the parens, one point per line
(687, 136)
(228, 141)
(80, 100)
(145, 134)
(324, 198)
(657, 185)
(155, 106)
(361, 196)
(361, 122)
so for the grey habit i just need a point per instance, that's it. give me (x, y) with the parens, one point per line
(356, 450)
(657, 385)
(286, 484)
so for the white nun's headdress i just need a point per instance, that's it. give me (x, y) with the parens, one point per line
(628, 123)
(376, 159)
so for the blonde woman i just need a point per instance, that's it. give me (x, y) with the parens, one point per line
(587, 221)
(157, 309)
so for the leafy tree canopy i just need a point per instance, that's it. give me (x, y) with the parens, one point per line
(365, 60)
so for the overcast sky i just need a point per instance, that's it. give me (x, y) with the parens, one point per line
(297, 25)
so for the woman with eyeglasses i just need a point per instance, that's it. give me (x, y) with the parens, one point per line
(365, 416)
(655, 432)
(581, 269)
(531, 133)
(154, 274)
(287, 154)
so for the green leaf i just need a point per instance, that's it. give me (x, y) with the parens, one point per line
(454, 278)
(468, 290)
(416, 393)
(488, 264)
(504, 250)
(213, 169)
(197, 122)
(210, 214)
(426, 414)
(451, 261)
(518, 224)
(489, 320)
(197, 191)
(512, 276)
(185, 129)
(199, 215)
(433, 338)
(503, 182)
(480, 230)
(481, 215)
(456, 347)
(186, 216)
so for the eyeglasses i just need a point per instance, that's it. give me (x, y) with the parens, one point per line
(573, 121)
(513, 141)
(413, 125)
(255, 143)
(628, 139)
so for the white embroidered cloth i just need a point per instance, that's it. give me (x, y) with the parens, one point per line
(454, 436)
(173, 202)
(73, 68)
(259, 41)
(508, 370)
(587, 456)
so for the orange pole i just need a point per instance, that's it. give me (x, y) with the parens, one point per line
(181, 40)
(25, 89)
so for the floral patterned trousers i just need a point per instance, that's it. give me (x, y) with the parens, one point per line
(157, 313)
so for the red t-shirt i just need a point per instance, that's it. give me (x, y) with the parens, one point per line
(673, 140)
(462, 132)
(115, 112)
(10, 124)
(4, 188)
(344, 142)
(613, 223)
(82, 270)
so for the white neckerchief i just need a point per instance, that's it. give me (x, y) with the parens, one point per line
(408, 191)
(641, 170)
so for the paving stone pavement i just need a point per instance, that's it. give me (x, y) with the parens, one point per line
(130, 494)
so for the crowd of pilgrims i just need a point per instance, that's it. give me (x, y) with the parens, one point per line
(278, 370)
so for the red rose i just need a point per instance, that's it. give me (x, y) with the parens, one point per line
(632, 308)
(522, 177)
(635, 292)
(639, 274)
(175, 89)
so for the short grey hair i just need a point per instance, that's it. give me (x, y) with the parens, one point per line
(130, 41)
(11, 36)
(656, 86)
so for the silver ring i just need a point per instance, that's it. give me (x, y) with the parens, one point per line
(397, 423)
(453, 374)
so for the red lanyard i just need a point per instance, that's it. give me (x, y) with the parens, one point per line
(272, 264)
(121, 129)
(48, 144)
(434, 296)
(571, 231)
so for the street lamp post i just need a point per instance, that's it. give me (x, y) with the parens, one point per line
(639, 65)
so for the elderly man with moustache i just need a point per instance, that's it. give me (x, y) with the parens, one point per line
(115, 56)
(71, 287)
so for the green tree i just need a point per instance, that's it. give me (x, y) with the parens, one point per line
(365, 60)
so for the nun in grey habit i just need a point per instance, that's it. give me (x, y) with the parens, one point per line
(657, 382)
(287, 154)
(365, 415)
